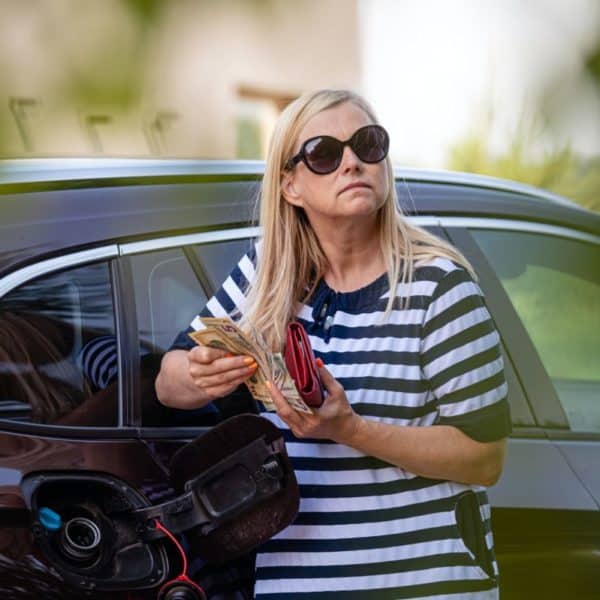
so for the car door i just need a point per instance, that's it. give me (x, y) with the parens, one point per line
(69, 443)
(171, 278)
(541, 285)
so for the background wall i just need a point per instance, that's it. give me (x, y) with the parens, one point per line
(179, 78)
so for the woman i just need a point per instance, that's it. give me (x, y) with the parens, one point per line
(392, 467)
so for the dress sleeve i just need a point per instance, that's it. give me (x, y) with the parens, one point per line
(461, 360)
(228, 301)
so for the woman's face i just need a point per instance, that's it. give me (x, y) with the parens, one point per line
(355, 190)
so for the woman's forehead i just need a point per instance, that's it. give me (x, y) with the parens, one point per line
(339, 121)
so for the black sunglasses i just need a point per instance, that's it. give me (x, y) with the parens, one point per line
(323, 154)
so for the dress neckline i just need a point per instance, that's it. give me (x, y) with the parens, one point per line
(354, 299)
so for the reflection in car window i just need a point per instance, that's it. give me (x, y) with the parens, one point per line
(554, 284)
(219, 258)
(52, 331)
(167, 296)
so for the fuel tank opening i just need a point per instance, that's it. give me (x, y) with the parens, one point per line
(80, 539)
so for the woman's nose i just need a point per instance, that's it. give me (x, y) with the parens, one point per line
(350, 161)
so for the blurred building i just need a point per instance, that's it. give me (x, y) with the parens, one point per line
(207, 78)
(202, 78)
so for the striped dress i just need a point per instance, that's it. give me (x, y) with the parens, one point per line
(365, 528)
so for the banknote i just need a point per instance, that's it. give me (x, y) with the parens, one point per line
(222, 333)
(237, 342)
(256, 383)
(283, 380)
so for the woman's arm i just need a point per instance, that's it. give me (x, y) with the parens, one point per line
(436, 452)
(192, 379)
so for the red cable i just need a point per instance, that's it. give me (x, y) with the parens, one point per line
(162, 528)
(183, 576)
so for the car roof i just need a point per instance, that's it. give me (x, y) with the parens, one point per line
(52, 204)
(32, 171)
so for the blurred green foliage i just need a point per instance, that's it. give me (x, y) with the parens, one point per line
(554, 287)
(569, 348)
(560, 312)
(560, 171)
(112, 73)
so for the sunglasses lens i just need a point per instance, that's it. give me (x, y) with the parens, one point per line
(371, 143)
(323, 154)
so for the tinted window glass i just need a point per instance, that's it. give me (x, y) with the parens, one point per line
(218, 259)
(53, 331)
(554, 284)
(167, 294)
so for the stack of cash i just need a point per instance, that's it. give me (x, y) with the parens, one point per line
(224, 334)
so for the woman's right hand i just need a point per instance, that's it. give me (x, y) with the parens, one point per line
(216, 372)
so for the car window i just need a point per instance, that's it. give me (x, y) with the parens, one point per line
(54, 332)
(554, 284)
(219, 258)
(167, 296)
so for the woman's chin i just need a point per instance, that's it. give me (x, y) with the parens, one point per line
(360, 206)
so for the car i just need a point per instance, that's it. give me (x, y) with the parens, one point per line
(116, 256)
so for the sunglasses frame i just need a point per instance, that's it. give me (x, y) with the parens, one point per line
(301, 156)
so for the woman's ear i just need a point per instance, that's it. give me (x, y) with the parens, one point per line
(289, 189)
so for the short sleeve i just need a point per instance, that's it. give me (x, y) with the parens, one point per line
(461, 359)
(228, 301)
(98, 361)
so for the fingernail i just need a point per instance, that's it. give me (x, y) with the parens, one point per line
(248, 360)
(253, 367)
(319, 363)
(228, 355)
(268, 384)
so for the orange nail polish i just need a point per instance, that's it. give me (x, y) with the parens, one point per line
(228, 355)
(248, 360)
(268, 384)
(319, 363)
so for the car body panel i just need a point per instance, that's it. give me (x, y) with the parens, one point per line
(22, 455)
(33, 223)
(582, 456)
(547, 553)
(555, 485)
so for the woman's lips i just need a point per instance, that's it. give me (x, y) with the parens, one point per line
(356, 184)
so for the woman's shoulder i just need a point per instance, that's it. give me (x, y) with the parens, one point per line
(442, 275)
(437, 268)
(244, 270)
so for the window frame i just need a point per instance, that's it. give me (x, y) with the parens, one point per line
(537, 384)
(548, 415)
(496, 307)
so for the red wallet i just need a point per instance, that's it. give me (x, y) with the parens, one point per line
(300, 362)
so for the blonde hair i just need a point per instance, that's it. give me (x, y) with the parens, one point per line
(26, 343)
(291, 260)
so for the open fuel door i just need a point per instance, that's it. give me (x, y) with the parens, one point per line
(235, 488)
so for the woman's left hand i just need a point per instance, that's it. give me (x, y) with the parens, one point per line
(334, 419)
